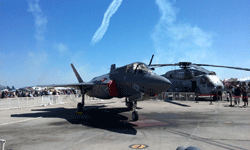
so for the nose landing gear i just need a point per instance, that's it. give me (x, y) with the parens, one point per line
(132, 106)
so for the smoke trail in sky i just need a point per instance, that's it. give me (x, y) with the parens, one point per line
(105, 22)
(40, 19)
(176, 41)
(38, 56)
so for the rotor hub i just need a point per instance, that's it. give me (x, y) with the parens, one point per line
(184, 65)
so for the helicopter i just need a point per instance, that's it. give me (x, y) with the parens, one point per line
(194, 78)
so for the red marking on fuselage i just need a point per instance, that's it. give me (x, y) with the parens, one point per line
(112, 88)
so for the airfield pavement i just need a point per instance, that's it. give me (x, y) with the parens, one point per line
(107, 125)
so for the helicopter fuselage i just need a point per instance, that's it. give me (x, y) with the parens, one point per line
(203, 84)
(198, 80)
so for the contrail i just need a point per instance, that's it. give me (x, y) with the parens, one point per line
(40, 19)
(105, 22)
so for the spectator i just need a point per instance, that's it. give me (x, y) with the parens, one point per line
(54, 92)
(42, 93)
(36, 93)
(30, 95)
(5, 94)
(237, 95)
(228, 96)
(19, 94)
(68, 92)
(244, 94)
(2, 94)
(23, 94)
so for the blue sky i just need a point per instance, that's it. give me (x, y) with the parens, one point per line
(39, 39)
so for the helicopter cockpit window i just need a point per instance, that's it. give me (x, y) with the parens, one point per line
(203, 80)
(213, 79)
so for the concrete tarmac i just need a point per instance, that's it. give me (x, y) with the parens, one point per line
(108, 125)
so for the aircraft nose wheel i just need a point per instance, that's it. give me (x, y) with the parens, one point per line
(135, 116)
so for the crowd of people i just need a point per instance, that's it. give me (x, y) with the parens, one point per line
(14, 94)
(240, 91)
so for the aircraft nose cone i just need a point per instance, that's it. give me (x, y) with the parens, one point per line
(157, 84)
(163, 82)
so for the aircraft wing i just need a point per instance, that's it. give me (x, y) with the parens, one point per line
(73, 85)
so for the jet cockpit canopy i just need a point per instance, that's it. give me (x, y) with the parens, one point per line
(138, 68)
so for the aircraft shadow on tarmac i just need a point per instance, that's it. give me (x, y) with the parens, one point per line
(92, 116)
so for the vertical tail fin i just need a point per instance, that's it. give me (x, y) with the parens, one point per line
(9, 89)
(112, 67)
(77, 75)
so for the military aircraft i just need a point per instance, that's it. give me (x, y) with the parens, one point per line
(198, 80)
(13, 89)
(134, 81)
(3, 88)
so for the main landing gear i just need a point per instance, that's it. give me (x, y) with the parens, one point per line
(132, 106)
(80, 106)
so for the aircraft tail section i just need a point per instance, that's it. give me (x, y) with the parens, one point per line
(8, 88)
(77, 75)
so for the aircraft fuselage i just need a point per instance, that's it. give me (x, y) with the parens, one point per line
(126, 81)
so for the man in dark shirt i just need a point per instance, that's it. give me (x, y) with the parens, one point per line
(237, 95)
(54, 92)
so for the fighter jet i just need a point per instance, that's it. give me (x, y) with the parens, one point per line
(13, 89)
(133, 81)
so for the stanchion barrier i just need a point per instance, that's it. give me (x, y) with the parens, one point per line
(2, 142)
(177, 96)
(192, 96)
(21, 102)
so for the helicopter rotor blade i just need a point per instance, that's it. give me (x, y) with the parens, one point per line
(162, 65)
(186, 65)
(200, 68)
(151, 60)
(238, 68)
